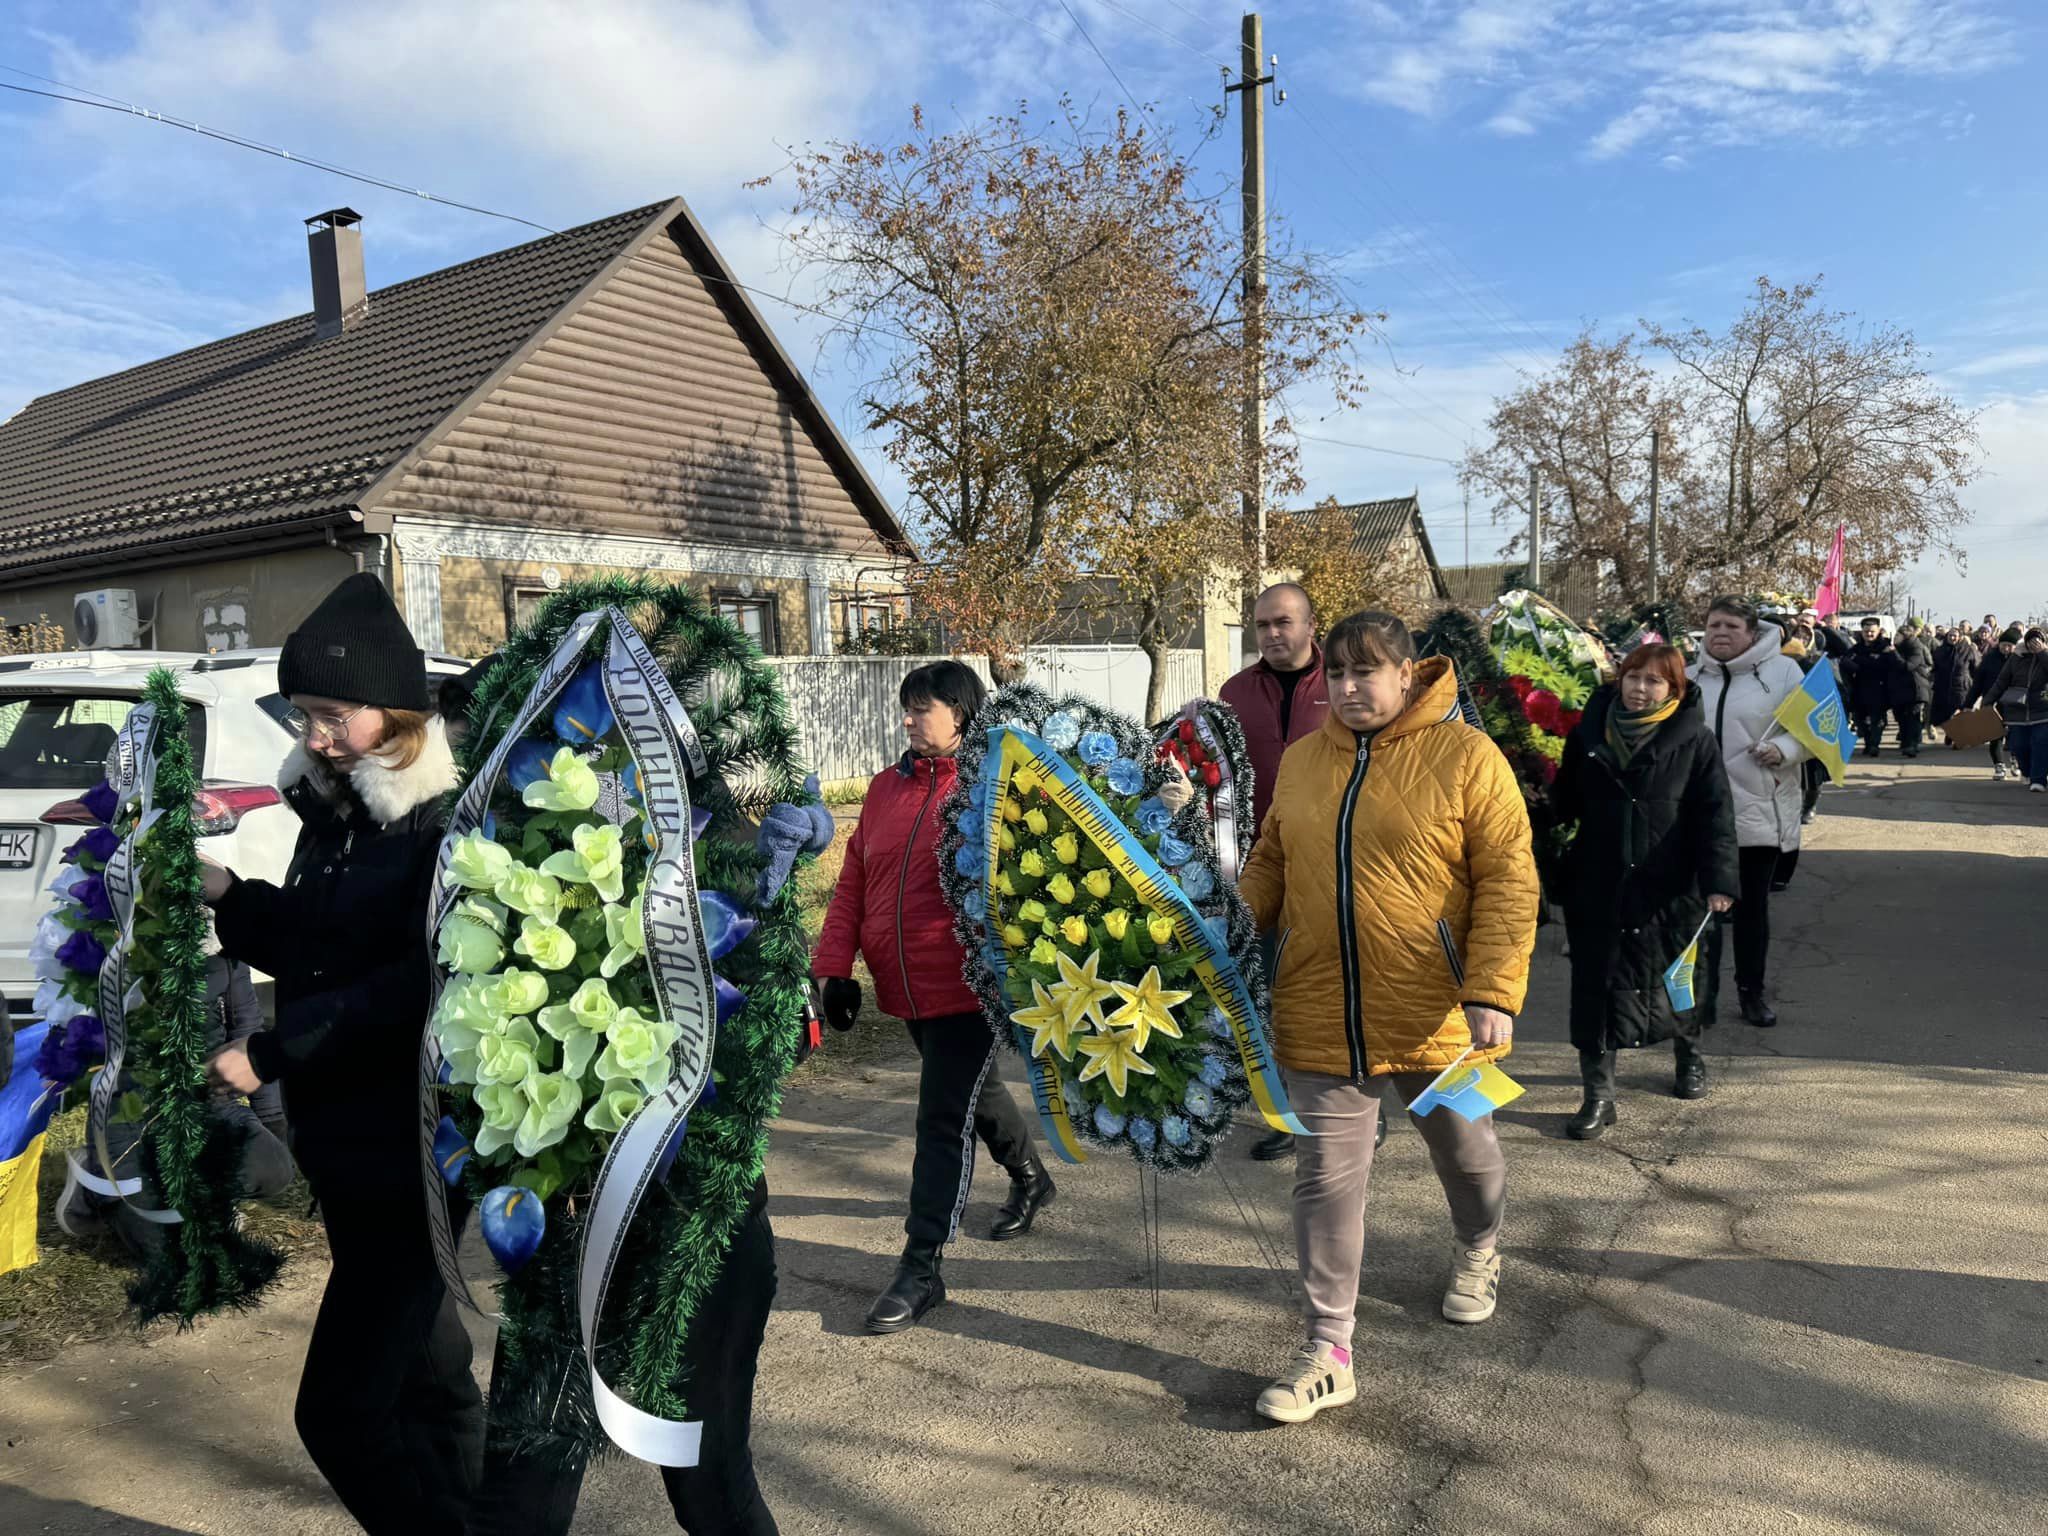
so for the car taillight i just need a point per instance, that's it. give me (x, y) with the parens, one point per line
(69, 813)
(220, 809)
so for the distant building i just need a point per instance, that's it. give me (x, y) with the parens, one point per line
(601, 400)
(1577, 592)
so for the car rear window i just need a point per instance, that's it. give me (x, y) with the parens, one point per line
(60, 740)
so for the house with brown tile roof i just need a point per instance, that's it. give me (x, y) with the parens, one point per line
(604, 399)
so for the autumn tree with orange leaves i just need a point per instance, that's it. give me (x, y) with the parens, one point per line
(1052, 315)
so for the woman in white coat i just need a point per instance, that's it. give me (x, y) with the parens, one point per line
(1743, 679)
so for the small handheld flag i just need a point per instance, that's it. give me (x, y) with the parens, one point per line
(1678, 976)
(1473, 1092)
(1813, 716)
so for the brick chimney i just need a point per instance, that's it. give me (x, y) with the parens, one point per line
(334, 245)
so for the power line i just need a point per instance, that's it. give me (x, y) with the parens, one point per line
(1399, 453)
(1143, 111)
(1172, 37)
(110, 104)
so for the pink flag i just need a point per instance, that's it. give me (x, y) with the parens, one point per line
(1828, 600)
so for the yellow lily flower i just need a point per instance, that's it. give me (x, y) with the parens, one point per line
(1148, 1006)
(1048, 1023)
(1081, 991)
(1114, 1056)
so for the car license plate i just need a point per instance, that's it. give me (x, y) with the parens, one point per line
(17, 847)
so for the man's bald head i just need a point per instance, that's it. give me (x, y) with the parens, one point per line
(1285, 623)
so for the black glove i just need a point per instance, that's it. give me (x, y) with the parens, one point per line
(842, 1002)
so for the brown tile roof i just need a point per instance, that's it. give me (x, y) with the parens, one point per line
(272, 426)
(1376, 524)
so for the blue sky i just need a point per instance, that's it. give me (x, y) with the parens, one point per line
(1491, 173)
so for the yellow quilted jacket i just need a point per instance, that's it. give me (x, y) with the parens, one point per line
(1437, 902)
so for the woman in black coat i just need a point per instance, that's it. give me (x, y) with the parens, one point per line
(1655, 852)
(387, 1406)
(1955, 668)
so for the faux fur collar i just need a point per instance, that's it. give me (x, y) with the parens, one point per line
(386, 791)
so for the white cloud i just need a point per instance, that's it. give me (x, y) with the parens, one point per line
(2005, 548)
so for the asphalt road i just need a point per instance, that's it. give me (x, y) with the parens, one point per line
(1813, 1302)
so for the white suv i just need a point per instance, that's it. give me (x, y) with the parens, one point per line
(58, 717)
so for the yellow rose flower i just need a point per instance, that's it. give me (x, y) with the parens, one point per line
(1044, 953)
(1004, 883)
(1024, 781)
(1032, 862)
(1012, 811)
(1031, 913)
(1099, 884)
(1013, 936)
(1049, 928)
(1160, 928)
(1035, 820)
(1007, 840)
(1116, 922)
(1075, 931)
(1066, 847)
(1061, 887)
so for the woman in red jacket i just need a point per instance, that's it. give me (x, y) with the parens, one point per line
(888, 909)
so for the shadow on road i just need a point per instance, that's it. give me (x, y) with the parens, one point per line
(25, 1512)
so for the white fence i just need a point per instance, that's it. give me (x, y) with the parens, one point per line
(852, 726)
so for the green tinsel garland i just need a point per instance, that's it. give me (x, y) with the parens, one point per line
(188, 1154)
(678, 1244)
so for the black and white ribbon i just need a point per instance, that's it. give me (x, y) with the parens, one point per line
(665, 747)
(131, 771)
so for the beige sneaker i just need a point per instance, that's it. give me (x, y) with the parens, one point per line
(1317, 1380)
(1475, 1284)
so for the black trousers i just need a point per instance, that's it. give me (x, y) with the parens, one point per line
(1871, 729)
(1911, 721)
(1596, 1068)
(1812, 774)
(387, 1407)
(959, 1096)
(1751, 921)
(533, 1492)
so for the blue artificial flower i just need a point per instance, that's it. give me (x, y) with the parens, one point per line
(1173, 852)
(56, 1062)
(490, 826)
(973, 824)
(1219, 931)
(513, 1224)
(1126, 777)
(1199, 1101)
(975, 905)
(969, 860)
(1108, 1123)
(1214, 1070)
(1153, 818)
(98, 844)
(730, 998)
(1175, 1130)
(1098, 749)
(667, 1160)
(726, 927)
(1144, 1134)
(1061, 731)
(90, 893)
(582, 713)
(977, 794)
(1196, 880)
(451, 1151)
(1219, 1026)
(1070, 1090)
(528, 761)
(700, 817)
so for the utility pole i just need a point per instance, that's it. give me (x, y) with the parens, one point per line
(1535, 529)
(1468, 532)
(1250, 90)
(1654, 436)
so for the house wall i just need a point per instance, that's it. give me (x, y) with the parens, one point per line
(211, 605)
(647, 426)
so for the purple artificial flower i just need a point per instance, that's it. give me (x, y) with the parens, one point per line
(98, 845)
(82, 953)
(90, 893)
(56, 1062)
(101, 802)
(86, 1038)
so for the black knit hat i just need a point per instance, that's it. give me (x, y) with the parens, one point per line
(355, 649)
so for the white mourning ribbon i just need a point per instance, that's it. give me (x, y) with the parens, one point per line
(1223, 800)
(131, 770)
(665, 747)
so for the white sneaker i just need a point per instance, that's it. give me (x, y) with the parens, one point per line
(1316, 1380)
(1998, 772)
(2037, 788)
(1475, 1285)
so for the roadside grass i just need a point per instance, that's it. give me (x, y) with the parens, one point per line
(77, 1291)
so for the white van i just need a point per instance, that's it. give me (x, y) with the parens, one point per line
(58, 717)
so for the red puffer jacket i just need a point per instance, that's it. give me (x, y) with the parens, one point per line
(888, 908)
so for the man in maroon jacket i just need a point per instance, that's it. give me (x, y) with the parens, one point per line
(1279, 699)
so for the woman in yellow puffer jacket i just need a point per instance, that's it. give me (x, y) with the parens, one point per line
(1395, 864)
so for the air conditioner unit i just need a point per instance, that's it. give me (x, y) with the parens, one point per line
(105, 620)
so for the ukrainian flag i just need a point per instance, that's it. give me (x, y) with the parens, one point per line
(1813, 716)
(1678, 975)
(1474, 1092)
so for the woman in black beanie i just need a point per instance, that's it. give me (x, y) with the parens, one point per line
(387, 1406)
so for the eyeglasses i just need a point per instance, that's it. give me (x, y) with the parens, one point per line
(329, 728)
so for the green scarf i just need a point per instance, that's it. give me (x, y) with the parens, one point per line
(1628, 729)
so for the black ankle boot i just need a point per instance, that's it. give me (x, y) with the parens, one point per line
(1692, 1078)
(1594, 1116)
(917, 1288)
(1273, 1146)
(1756, 1011)
(1031, 1190)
